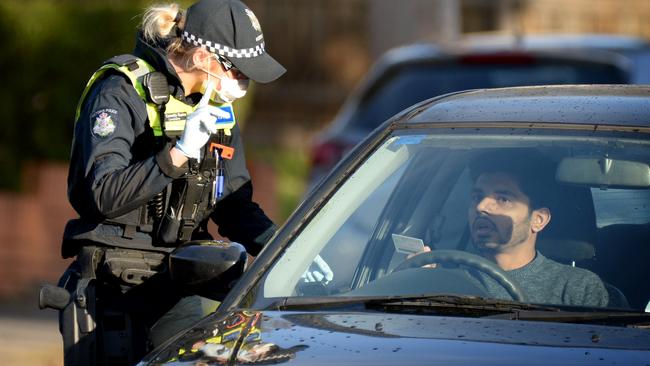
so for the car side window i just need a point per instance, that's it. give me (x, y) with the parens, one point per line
(621, 206)
(343, 252)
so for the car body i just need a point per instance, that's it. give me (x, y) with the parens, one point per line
(409, 74)
(408, 184)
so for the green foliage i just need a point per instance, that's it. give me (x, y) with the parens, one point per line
(292, 168)
(50, 50)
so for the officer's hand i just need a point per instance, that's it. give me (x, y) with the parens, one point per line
(318, 271)
(199, 125)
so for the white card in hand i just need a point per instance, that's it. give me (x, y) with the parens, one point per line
(407, 245)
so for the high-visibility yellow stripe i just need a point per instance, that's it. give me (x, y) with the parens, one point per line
(173, 107)
(175, 110)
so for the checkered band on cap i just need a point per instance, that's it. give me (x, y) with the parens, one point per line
(224, 50)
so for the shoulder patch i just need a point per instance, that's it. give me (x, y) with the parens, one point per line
(103, 124)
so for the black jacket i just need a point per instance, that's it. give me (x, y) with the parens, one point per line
(117, 166)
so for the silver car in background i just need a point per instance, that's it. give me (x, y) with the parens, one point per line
(410, 74)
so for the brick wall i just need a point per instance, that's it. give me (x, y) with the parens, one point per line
(592, 16)
(31, 227)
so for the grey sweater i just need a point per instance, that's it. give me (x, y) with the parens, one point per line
(545, 281)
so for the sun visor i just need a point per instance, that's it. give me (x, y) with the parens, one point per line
(603, 172)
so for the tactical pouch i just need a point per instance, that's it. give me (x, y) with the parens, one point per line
(167, 233)
(132, 267)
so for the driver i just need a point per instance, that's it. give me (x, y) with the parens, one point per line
(506, 214)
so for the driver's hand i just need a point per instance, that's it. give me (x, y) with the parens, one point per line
(426, 249)
(318, 271)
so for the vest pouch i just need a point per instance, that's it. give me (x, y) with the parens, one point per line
(168, 230)
(167, 233)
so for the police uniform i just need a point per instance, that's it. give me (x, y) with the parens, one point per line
(118, 166)
(135, 206)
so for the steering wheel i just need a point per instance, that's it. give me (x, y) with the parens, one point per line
(467, 259)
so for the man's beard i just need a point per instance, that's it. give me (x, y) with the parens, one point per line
(503, 236)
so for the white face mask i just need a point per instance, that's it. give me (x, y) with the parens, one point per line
(230, 90)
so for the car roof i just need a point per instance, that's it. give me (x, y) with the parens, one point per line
(602, 48)
(580, 45)
(623, 105)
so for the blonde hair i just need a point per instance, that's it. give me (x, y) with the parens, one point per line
(160, 22)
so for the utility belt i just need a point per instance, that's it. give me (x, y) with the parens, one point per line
(80, 233)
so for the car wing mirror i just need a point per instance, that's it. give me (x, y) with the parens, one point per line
(207, 268)
(603, 172)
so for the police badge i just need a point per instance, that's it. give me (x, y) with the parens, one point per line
(254, 22)
(104, 125)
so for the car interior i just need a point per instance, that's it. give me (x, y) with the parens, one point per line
(414, 191)
(573, 238)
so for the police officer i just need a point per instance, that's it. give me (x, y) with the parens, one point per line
(156, 152)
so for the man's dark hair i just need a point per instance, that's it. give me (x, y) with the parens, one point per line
(533, 172)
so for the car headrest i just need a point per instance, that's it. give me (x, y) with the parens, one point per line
(566, 250)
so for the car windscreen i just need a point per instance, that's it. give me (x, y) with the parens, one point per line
(562, 215)
(403, 86)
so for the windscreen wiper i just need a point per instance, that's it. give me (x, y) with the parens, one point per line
(512, 310)
(462, 305)
(423, 304)
(319, 302)
(466, 305)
